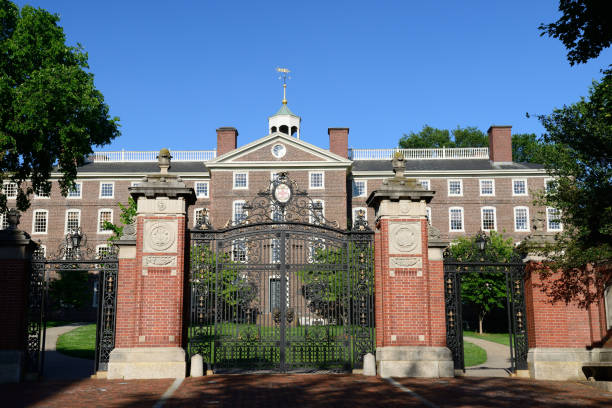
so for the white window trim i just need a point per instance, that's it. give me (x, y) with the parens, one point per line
(548, 221)
(135, 183)
(528, 226)
(234, 209)
(365, 188)
(462, 219)
(492, 186)
(449, 189)
(356, 209)
(195, 185)
(322, 173)
(272, 174)
(34, 222)
(111, 220)
(107, 182)
(100, 246)
(234, 180)
(494, 218)
(310, 216)
(526, 187)
(80, 183)
(428, 214)
(546, 181)
(44, 249)
(16, 190)
(428, 183)
(38, 197)
(270, 290)
(608, 307)
(195, 218)
(66, 218)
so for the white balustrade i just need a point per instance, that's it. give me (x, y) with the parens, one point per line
(420, 154)
(151, 156)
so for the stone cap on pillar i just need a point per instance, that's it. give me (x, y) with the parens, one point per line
(399, 187)
(163, 184)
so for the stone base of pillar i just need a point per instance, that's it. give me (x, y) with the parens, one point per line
(11, 365)
(147, 363)
(563, 364)
(414, 361)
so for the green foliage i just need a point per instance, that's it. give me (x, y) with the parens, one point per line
(583, 28)
(486, 290)
(127, 216)
(580, 147)
(470, 137)
(528, 148)
(428, 137)
(50, 112)
(71, 290)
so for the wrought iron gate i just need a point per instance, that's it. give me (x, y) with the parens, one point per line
(281, 288)
(513, 271)
(72, 256)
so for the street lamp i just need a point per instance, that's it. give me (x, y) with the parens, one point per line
(481, 240)
(73, 241)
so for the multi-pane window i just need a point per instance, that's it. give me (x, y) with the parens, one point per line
(316, 180)
(317, 212)
(275, 250)
(455, 187)
(76, 191)
(3, 222)
(102, 251)
(550, 185)
(10, 190)
(519, 187)
(455, 218)
(239, 253)
(40, 221)
(107, 190)
(521, 219)
(241, 180)
(73, 220)
(277, 214)
(425, 184)
(275, 294)
(104, 215)
(201, 188)
(40, 193)
(553, 219)
(239, 212)
(487, 187)
(200, 216)
(428, 209)
(359, 188)
(488, 218)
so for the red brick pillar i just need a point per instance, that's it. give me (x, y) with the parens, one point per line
(149, 319)
(16, 250)
(562, 337)
(409, 280)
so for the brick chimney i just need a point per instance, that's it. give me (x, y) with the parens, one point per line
(338, 141)
(227, 140)
(500, 144)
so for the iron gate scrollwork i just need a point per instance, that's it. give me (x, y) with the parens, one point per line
(513, 271)
(282, 288)
(72, 256)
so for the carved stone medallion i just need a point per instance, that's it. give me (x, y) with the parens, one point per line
(160, 236)
(405, 238)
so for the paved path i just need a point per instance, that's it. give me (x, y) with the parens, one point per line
(498, 359)
(304, 391)
(59, 366)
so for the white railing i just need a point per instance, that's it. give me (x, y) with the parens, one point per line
(151, 156)
(418, 154)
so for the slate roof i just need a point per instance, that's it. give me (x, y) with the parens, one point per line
(284, 110)
(446, 164)
(142, 167)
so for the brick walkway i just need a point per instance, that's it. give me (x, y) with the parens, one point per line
(270, 391)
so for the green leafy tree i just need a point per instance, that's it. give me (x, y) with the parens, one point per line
(127, 216)
(485, 290)
(428, 137)
(579, 139)
(470, 137)
(71, 290)
(50, 112)
(527, 148)
(585, 28)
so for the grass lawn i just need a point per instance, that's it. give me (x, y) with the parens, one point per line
(80, 342)
(473, 355)
(501, 338)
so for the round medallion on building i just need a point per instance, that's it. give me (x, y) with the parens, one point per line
(161, 237)
(282, 193)
(279, 150)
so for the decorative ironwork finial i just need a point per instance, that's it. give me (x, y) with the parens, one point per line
(284, 76)
(163, 160)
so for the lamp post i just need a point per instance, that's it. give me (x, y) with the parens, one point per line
(481, 240)
(73, 242)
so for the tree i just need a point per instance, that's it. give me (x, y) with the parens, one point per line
(50, 112)
(428, 137)
(579, 139)
(486, 290)
(470, 137)
(585, 28)
(127, 216)
(527, 148)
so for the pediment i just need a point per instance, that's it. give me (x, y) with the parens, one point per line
(296, 151)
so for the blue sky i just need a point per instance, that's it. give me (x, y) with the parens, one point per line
(174, 71)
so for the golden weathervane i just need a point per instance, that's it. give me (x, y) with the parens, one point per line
(284, 75)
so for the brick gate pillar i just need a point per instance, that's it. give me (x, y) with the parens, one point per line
(152, 263)
(409, 281)
(16, 249)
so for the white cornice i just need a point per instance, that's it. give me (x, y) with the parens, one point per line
(280, 164)
(118, 175)
(447, 173)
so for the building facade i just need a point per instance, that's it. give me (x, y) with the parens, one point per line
(475, 188)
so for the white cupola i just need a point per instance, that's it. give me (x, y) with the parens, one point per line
(284, 121)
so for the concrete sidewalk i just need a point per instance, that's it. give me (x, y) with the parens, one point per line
(59, 366)
(498, 359)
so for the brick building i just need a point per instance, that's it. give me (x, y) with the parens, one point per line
(476, 188)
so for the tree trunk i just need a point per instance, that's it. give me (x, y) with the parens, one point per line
(481, 317)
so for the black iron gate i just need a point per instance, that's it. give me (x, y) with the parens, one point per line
(513, 272)
(281, 288)
(72, 256)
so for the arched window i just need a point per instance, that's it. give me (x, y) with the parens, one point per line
(284, 129)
